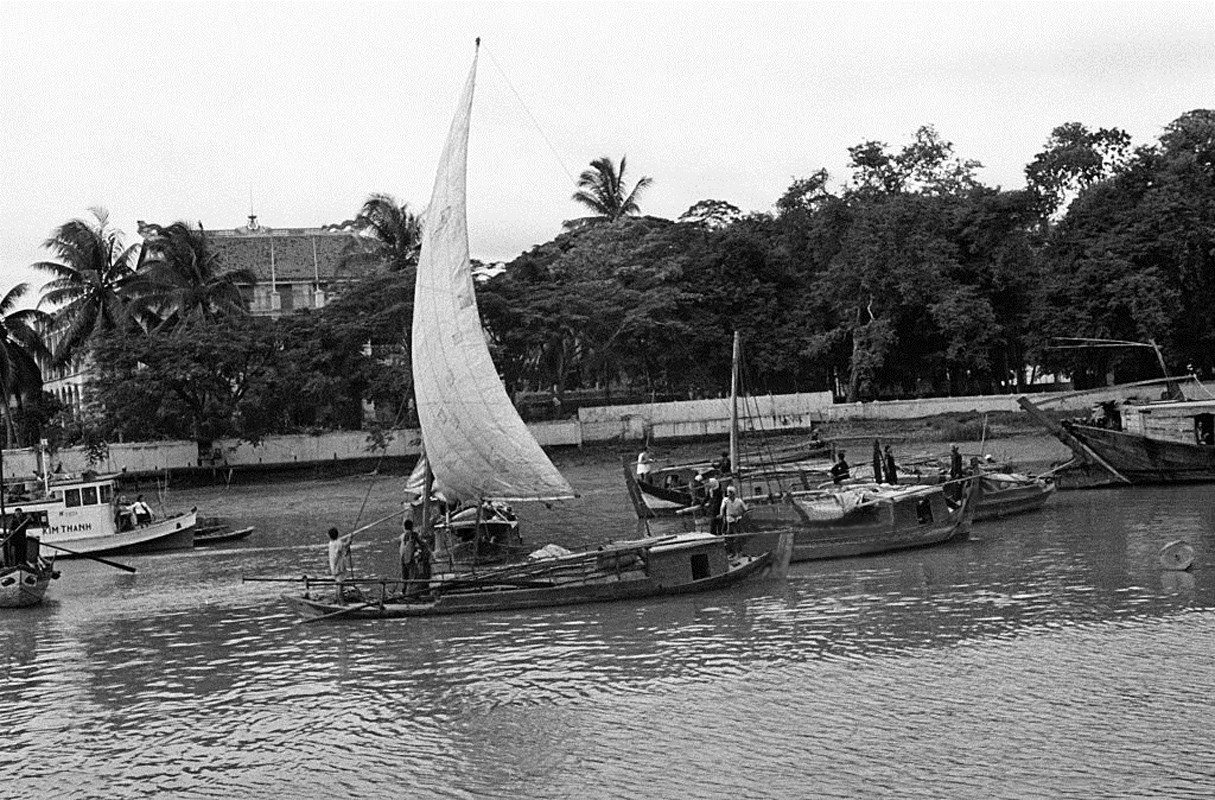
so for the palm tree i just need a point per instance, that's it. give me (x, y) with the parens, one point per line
(601, 189)
(392, 233)
(182, 280)
(91, 273)
(20, 348)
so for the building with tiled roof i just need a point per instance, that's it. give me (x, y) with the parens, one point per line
(295, 267)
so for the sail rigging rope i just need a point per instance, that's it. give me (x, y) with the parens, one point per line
(530, 115)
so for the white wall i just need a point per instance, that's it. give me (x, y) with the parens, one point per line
(685, 418)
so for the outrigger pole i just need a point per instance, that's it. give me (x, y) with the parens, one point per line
(734, 368)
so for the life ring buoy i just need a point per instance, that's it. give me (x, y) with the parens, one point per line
(1177, 555)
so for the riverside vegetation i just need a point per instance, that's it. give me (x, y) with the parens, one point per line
(908, 278)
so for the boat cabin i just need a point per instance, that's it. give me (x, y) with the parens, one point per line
(1190, 422)
(68, 508)
(689, 559)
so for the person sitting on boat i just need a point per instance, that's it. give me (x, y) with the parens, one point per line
(839, 470)
(696, 488)
(732, 510)
(723, 464)
(340, 562)
(124, 518)
(142, 512)
(644, 465)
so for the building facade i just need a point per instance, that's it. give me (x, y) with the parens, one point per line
(296, 268)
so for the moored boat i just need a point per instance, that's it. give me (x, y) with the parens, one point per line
(1004, 494)
(857, 520)
(1151, 443)
(82, 515)
(26, 584)
(213, 530)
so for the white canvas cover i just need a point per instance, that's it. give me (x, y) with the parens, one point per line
(475, 441)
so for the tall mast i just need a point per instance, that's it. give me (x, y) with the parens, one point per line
(3, 511)
(734, 404)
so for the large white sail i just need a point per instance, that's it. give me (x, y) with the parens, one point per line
(475, 441)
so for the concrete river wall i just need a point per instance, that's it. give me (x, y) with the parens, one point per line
(675, 420)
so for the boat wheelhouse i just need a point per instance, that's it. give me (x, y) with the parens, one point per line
(81, 515)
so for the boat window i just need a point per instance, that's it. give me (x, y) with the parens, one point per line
(700, 566)
(923, 510)
(88, 496)
(107, 493)
(71, 497)
(1204, 429)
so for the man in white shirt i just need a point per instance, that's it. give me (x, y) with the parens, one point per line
(732, 510)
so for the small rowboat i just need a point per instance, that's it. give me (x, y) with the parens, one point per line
(26, 584)
(212, 531)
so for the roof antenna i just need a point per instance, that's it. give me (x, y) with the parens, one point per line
(252, 217)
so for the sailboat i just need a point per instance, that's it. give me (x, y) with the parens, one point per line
(860, 518)
(477, 448)
(667, 489)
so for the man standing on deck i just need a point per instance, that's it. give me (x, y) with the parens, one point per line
(16, 544)
(340, 563)
(955, 473)
(644, 464)
(892, 475)
(732, 510)
(713, 498)
(415, 560)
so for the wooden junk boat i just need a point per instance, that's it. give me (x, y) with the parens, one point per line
(1151, 443)
(478, 449)
(691, 562)
(858, 520)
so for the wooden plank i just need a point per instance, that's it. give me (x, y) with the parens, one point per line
(1064, 436)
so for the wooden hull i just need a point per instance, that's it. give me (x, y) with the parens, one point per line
(1005, 499)
(629, 585)
(21, 587)
(1137, 458)
(918, 519)
(172, 533)
(220, 535)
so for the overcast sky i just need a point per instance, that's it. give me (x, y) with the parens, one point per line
(180, 110)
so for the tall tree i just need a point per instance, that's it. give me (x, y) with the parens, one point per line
(20, 347)
(391, 233)
(93, 269)
(602, 190)
(182, 279)
(1074, 159)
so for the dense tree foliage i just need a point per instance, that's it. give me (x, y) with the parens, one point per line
(92, 268)
(909, 277)
(20, 347)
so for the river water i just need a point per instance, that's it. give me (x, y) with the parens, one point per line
(1049, 656)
